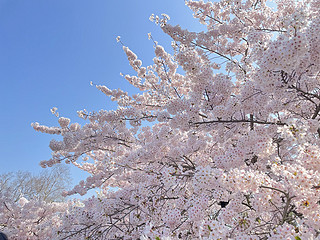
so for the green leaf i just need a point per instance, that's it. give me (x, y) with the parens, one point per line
(157, 238)
(297, 238)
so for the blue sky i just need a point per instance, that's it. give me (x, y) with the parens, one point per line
(50, 50)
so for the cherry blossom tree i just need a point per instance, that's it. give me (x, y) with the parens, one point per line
(31, 220)
(30, 204)
(231, 148)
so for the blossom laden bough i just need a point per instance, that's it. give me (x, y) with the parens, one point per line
(231, 147)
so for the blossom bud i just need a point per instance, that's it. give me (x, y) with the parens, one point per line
(64, 122)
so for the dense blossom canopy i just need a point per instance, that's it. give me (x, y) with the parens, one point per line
(222, 142)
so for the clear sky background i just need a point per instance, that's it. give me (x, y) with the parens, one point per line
(50, 50)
